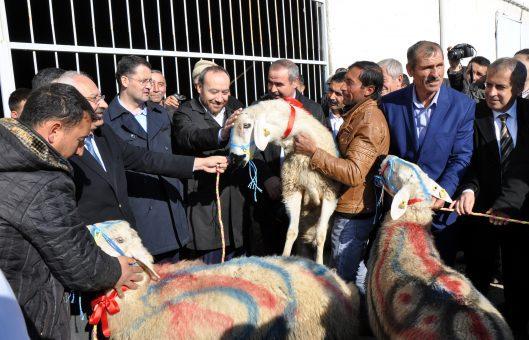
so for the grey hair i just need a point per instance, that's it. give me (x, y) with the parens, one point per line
(518, 71)
(156, 71)
(427, 47)
(68, 77)
(293, 69)
(393, 67)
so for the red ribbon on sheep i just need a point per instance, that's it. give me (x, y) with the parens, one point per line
(293, 102)
(102, 306)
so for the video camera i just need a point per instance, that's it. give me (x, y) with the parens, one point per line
(461, 51)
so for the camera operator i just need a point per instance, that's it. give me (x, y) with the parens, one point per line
(468, 79)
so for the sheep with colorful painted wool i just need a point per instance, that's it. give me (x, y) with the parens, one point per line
(411, 294)
(310, 197)
(254, 298)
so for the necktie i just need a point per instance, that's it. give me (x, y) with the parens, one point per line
(506, 144)
(89, 145)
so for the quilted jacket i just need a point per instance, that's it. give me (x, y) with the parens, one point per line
(44, 247)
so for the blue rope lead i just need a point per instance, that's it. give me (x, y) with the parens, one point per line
(252, 169)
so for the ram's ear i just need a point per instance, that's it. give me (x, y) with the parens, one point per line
(400, 203)
(261, 133)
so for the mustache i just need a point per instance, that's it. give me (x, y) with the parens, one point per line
(432, 79)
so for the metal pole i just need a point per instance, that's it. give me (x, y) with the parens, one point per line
(7, 78)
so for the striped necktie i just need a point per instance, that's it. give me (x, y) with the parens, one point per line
(506, 144)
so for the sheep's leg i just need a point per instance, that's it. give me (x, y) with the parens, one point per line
(327, 209)
(293, 205)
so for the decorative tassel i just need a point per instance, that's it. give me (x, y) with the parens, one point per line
(252, 169)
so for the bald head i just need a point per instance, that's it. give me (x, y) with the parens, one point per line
(86, 86)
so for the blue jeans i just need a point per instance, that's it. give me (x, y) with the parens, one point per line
(348, 239)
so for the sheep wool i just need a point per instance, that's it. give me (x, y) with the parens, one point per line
(245, 298)
(411, 294)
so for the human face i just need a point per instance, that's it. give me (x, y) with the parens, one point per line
(137, 85)
(524, 59)
(90, 91)
(427, 73)
(499, 92)
(69, 140)
(158, 88)
(352, 89)
(335, 96)
(478, 72)
(390, 84)
(215, 91)
(278, 83)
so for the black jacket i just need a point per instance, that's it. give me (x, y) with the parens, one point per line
(195, 132)
(515, 187)
(156, 201)
(44, 245)
(103, 196)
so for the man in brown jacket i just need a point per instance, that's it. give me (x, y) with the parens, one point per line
(363, 137)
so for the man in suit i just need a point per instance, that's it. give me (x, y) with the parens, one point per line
(501, 142)
(156, 201)
(101, 186)
(201, 127)
(432, 125)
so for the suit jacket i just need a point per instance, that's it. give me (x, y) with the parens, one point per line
(195, 132)
(156, 201)
(447, 147)
(102, 195)
(485, 174)
(515, 185)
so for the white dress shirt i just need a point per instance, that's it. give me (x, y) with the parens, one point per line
(335, 122)
(140, 116)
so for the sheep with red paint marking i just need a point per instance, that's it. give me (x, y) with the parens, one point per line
(411, 294)
(255, 298)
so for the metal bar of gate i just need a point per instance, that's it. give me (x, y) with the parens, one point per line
(174, 47)
(72, 12)
(7, 78)
(52, 24)
(32, 35)
(113, 41)
(95, 41)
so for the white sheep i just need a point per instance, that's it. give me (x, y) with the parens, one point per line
(254, 298)
(278, 121)
(411, 294)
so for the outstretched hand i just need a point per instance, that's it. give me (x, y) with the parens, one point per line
(212, 164)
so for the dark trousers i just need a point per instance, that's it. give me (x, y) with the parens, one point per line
(213, 256)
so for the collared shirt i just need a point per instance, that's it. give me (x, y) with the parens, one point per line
(219, 118)
(511, 122)
(335, 122)
(140, 116)
(91, 140)
(422, 115)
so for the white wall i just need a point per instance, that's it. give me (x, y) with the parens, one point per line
(378, 29)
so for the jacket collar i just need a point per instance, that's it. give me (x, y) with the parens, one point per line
(34, 147)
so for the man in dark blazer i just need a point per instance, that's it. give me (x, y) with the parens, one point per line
(498, 178)
(432, 125)
(156, 201)
(201, 127)
(101, 186)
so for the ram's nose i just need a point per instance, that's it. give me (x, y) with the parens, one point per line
(237, 160)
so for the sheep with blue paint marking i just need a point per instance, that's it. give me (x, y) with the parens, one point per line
(411, 294)
(254, 298)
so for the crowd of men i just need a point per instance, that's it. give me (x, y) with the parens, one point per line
(70, 159)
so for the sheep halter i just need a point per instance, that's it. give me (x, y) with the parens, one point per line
(293, 103)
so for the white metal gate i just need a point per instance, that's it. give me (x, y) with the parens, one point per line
(244, 36)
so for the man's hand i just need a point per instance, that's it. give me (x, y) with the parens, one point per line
(464, 204)
(211, 164)
(171, 103)
(273, 187)
(130, 274)
(455, 65)
(230, 122)
(303, 144)
(499, 214)
(437, 203)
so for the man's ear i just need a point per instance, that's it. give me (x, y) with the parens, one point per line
(368, 90)
(53, 130)
(124, 81)
(261, 133)
(400, 203)
(409, 70)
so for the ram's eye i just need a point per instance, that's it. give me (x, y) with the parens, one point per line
(247, 125)
(120, 239)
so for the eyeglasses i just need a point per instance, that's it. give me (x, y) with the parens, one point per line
(142, 82)
(96, 99)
